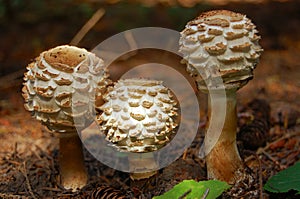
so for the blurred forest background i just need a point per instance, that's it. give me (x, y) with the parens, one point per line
(28, 27)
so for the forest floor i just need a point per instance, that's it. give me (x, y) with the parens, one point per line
(29, 153)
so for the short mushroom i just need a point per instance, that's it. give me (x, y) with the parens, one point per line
(60, 88)
(221, 45)
(139, 116)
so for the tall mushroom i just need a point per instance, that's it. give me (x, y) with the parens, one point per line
(60, 88)
(139, 116)
(221, 45)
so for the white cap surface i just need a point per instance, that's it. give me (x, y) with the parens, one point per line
(220, 44)
(62, 84)
(138, 115)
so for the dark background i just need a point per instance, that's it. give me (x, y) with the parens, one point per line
(29, 27)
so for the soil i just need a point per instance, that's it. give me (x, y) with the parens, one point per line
(29, 153)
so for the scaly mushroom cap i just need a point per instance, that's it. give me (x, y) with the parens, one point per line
(138, 115)
(222, 44)
(62, 84)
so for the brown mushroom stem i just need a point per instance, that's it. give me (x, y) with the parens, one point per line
(71, 162)
(223, 159)
(140, 162)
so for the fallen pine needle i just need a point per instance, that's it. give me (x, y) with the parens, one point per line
(27, 181)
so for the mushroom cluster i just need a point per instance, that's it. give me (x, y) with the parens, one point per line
(221, 50)
(138, 115)
(60, 90)
(65, 85)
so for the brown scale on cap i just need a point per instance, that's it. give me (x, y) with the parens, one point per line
(65, 58)
(215, 13)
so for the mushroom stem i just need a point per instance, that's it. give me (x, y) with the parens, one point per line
(139, 162)
(222, 157)
(71, 162)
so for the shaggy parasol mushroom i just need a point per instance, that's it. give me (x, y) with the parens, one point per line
(139, 116)
(60, 89)
(221, 45)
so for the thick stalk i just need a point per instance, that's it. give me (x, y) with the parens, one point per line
(222, 157)
(141, 164)
(71, 162)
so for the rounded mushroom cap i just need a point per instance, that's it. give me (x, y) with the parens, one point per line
(220, 44)
(61, 85)
(139, 115)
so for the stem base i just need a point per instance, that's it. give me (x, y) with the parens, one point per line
(222, 157)
(71, 162)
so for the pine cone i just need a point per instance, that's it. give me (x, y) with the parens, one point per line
(106, 192)
(254, 134)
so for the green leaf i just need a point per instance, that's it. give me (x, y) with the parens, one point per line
(284, 181)
(192, 189)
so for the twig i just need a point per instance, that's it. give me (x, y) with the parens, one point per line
(13, 162)
(104, 178)
(263, 150)
(205, 194)
(184, 154)
(28, 182)
(15, 153)
(185, 194)
(7, 195)
(36, 154)
(123, 184)
(272, 159)
(87, 26)
(260, 178)
(132, 46)
(130, 40)
(44, 153)
(51, 189)
(47, 156)
(132, 50)
(287, 135)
